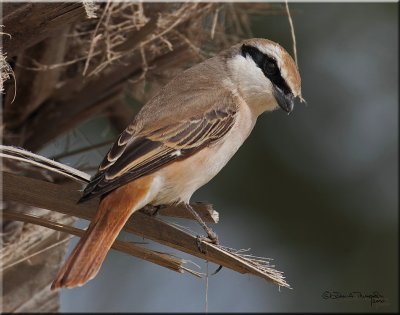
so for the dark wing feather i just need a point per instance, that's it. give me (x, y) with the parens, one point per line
(136, 155)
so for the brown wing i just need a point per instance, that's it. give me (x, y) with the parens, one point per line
(136, 154)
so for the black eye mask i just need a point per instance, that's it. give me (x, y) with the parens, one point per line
(268, 66)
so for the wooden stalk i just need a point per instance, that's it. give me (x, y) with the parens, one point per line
(30, 23)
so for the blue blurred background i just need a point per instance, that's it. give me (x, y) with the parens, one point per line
(317, 191)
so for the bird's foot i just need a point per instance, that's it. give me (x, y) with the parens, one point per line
(212, 239)
(199, 242)
(151, 210)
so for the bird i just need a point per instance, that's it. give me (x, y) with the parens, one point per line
(179, 140)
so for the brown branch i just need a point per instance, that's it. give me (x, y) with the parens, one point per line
(58, 198)
(50, 196)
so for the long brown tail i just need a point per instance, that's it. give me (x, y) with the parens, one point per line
(113, 212)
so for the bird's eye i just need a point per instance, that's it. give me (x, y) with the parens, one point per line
(270, 68)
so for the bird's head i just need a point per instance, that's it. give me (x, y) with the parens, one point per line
(265, 75)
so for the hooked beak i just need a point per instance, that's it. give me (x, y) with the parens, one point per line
(285, 101)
